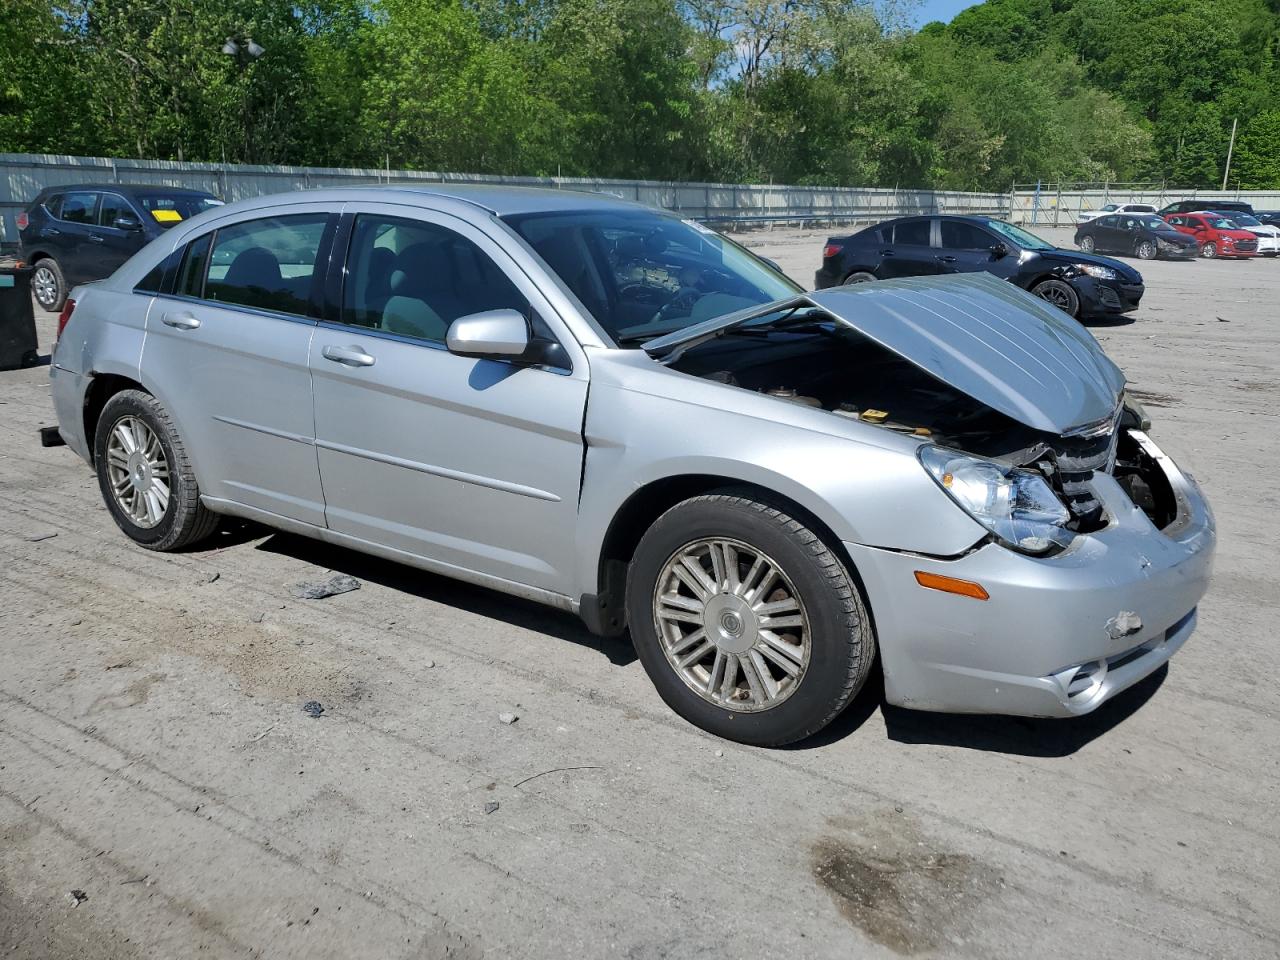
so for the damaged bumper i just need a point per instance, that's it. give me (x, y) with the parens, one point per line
(68, 391)
(1058, 636)
(1102, 297)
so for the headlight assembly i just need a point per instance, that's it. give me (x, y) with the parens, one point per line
(1016, 505)
(1097, 271)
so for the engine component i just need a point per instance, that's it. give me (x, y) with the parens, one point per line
(789, 393)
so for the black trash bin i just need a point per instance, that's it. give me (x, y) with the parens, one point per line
(17, 319)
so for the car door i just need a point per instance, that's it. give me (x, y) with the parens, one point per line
(911, 252)
(226, 353)
(965, 248)
(115, 244)
(69, 237)
(473, 464)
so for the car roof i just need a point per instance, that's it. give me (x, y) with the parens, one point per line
(505, 200)
(125, 188)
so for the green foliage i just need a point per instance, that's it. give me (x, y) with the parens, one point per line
(803, 91)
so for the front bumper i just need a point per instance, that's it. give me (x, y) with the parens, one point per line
(1268, 246)
(1058, 636)
(1100, 297)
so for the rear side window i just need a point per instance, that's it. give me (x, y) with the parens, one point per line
(912, 231)
(1110, 221)
(159, 279)
(78, 207)
(414, 278)
(957, 235)
(267, 264)
(53, 204)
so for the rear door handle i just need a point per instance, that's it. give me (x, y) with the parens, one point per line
(52, 232)
(945, 259)
(353, 356)
(181, 321)
(95, 238)
(886, 253)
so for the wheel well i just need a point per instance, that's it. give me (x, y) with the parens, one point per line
(605, 612)
(102, 387)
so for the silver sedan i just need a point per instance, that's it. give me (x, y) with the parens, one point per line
(620, 413)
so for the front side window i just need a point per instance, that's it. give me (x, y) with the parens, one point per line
(1023, 238)
(113, 206)
(958, 235)
(267, 264)
(78, 207)
(642, 274)
(912, 232)
(1110, 221)
(414, 278)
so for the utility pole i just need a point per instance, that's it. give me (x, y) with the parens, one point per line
(1230, 149)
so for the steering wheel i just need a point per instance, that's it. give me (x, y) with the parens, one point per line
(684, 300)
(642, 293)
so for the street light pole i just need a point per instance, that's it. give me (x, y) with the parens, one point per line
(245, 52)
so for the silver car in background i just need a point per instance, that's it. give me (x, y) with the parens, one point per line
(622, 414)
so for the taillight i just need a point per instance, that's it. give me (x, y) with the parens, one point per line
(63, 317)
(22, 220)
(830, 250)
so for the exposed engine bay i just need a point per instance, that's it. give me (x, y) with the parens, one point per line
(839, 370)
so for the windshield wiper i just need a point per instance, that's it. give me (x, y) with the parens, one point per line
(797, 318)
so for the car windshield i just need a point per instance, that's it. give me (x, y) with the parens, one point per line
(1155, 223)
(642, 274)
(169, 209)
(1222, 223)
(1024, 239)
(1244, 220)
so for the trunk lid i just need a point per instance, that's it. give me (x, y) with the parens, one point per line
(978, 334)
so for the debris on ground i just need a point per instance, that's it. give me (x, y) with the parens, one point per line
(37, 537)
(338, 583)
(508, 718)
(719, 753)
(430, 664)
(257, 617)
(491, 806)
(313, 708)
(210, 577)
(77, 897)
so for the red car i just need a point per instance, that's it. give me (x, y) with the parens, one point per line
(1218, 236)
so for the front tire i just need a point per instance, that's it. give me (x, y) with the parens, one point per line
(747, 623)
(48, 285)
(1087, 244)
(1146, 250)
(1060, 294)
(1209, 250)
(145, 475)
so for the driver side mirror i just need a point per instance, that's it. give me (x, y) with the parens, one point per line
(127, 223)
(999, 251)
(501, 335)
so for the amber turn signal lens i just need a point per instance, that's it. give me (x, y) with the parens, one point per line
(964, 588)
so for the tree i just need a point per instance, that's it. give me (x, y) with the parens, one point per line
(1256, 165)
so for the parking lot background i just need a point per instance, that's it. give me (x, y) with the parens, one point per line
(155, 757)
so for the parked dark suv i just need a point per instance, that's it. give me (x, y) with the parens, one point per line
(1081, 284)
(1205, 203)
(78, 233)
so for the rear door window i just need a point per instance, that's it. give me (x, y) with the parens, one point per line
(914, 232)
(195, 261)
(267, 264)
(79, 207)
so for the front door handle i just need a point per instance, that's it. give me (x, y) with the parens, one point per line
(353, 356)
(95, 238)
(945, 259)
(181, 321)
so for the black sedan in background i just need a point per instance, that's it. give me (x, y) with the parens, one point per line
(1081, 284)
(1143, 236)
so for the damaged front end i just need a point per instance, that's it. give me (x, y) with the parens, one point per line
(1016, 407)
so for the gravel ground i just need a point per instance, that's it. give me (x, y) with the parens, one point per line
(155, 756)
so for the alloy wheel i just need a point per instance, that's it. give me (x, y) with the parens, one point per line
(1146, 250)
(1057, 293)
(138, 471)
(731, 624)
(45, 286)
(1086, 244)
(1209, 251)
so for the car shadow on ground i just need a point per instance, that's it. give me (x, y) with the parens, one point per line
(1117, 320)
(481, 601)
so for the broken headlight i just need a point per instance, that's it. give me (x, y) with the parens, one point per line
(1097, 271)
(1016, 505)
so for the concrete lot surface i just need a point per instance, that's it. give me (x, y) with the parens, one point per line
(155, 756)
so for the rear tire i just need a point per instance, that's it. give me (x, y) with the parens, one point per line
(48, 285)
(1209, 250)
(1060, 294)
(741, 687)
(859, 276)
(145, 475)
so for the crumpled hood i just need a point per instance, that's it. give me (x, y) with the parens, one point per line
(983, 336)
